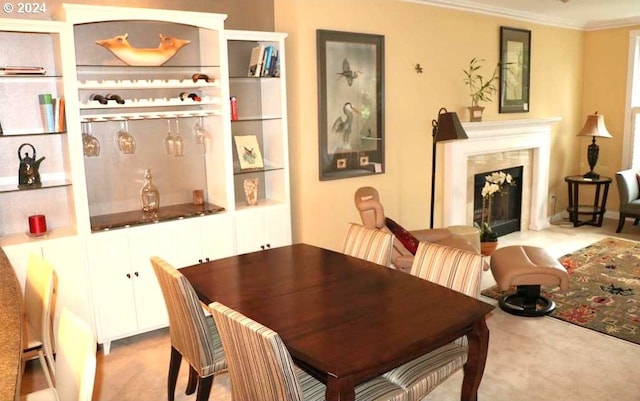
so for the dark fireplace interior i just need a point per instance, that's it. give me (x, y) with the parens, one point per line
(506, 207)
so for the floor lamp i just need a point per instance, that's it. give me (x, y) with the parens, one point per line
(446, 128)
(594, 127)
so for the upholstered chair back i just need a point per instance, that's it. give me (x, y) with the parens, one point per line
(260, 366)
(39, 309)
(453, 268)
(369, 244)
(190, 333)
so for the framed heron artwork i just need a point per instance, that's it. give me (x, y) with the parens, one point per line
(350, 104)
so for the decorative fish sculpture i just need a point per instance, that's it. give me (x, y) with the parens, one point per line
(122, 49)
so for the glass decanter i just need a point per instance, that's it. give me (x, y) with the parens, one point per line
(149, 194)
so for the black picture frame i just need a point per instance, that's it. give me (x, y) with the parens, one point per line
(515, 69)
(350, 104)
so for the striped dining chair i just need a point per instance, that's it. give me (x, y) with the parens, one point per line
(261, 368)
(369, 244)
(458, 270)
(194, 336)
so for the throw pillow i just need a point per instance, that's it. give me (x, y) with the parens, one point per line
(409, 241)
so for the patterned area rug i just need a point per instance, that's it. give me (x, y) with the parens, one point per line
(604, 289)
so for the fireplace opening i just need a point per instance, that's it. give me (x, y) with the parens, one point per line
(506, 207)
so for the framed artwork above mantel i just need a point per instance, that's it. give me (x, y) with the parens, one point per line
(515, 69)
(350, 104)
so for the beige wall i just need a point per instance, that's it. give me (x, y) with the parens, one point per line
(605, 90)
(442, 41)
(242, 14)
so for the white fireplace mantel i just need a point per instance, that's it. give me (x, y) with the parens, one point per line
(490, 137)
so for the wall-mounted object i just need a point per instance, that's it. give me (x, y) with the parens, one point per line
(515, 69)
(351, 106)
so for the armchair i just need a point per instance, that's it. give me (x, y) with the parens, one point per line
(367, 201)
(629, 192)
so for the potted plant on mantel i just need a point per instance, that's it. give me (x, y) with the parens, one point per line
(480, 88)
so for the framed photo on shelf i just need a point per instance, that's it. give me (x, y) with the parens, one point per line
(350, 104)
(515, 62)
(248, 150)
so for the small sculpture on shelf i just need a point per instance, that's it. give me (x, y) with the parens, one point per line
(28, 174)
(122, 49)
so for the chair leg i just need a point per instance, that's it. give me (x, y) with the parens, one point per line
(621, 222)
(174, 368)
(204, 388)
(193, 381)
(45, 368)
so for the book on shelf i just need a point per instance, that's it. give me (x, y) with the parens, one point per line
(22, 70)
(273, 66)
(266, 63)
(255, 62)
(52, 110)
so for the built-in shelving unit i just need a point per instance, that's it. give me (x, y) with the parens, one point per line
(99, 236)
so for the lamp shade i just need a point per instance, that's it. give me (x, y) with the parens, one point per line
(594, 126)
(448, 127)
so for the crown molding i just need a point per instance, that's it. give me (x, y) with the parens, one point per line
(474, 7)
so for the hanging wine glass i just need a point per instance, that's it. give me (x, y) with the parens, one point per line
(126, 141)
(90, 144)
(169, 140)
(178, 142)
(202, 135)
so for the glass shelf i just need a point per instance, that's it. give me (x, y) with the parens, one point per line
(45, 185)
(10, 135)
(238, 171)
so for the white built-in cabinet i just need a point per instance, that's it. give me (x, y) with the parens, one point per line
(99, 239)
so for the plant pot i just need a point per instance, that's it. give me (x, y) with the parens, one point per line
(487, 248)
(475, 113)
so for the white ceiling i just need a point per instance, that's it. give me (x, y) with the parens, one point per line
(578, 14)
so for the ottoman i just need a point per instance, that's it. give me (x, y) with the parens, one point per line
(527, 268)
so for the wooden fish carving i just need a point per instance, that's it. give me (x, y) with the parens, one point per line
(122, 49)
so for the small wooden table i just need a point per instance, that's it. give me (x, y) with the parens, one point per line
(595, 210)
(345, 320)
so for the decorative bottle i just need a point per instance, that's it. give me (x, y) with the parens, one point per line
(149, 194)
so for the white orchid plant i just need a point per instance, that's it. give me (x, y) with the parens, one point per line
(494, 183)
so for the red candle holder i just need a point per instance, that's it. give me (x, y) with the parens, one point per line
(37, 224)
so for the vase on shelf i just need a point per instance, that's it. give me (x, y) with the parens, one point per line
(149, 194)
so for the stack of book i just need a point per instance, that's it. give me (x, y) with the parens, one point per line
(263, 62)
(53, 113)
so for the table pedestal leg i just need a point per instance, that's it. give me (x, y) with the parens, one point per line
(478, 340)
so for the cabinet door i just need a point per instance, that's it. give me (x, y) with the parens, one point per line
(112, 285)
(250, 236)
(262, 228)
(218, 237)
(278, 225)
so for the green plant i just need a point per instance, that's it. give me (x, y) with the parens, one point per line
(486, 233)
(480, 88)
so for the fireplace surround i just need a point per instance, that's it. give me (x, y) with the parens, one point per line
(496, 143)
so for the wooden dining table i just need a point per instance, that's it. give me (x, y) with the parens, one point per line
(345, 320)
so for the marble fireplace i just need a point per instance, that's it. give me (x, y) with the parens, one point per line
(492, 146)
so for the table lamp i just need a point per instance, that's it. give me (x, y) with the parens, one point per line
(594, 127)
(446, 128)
